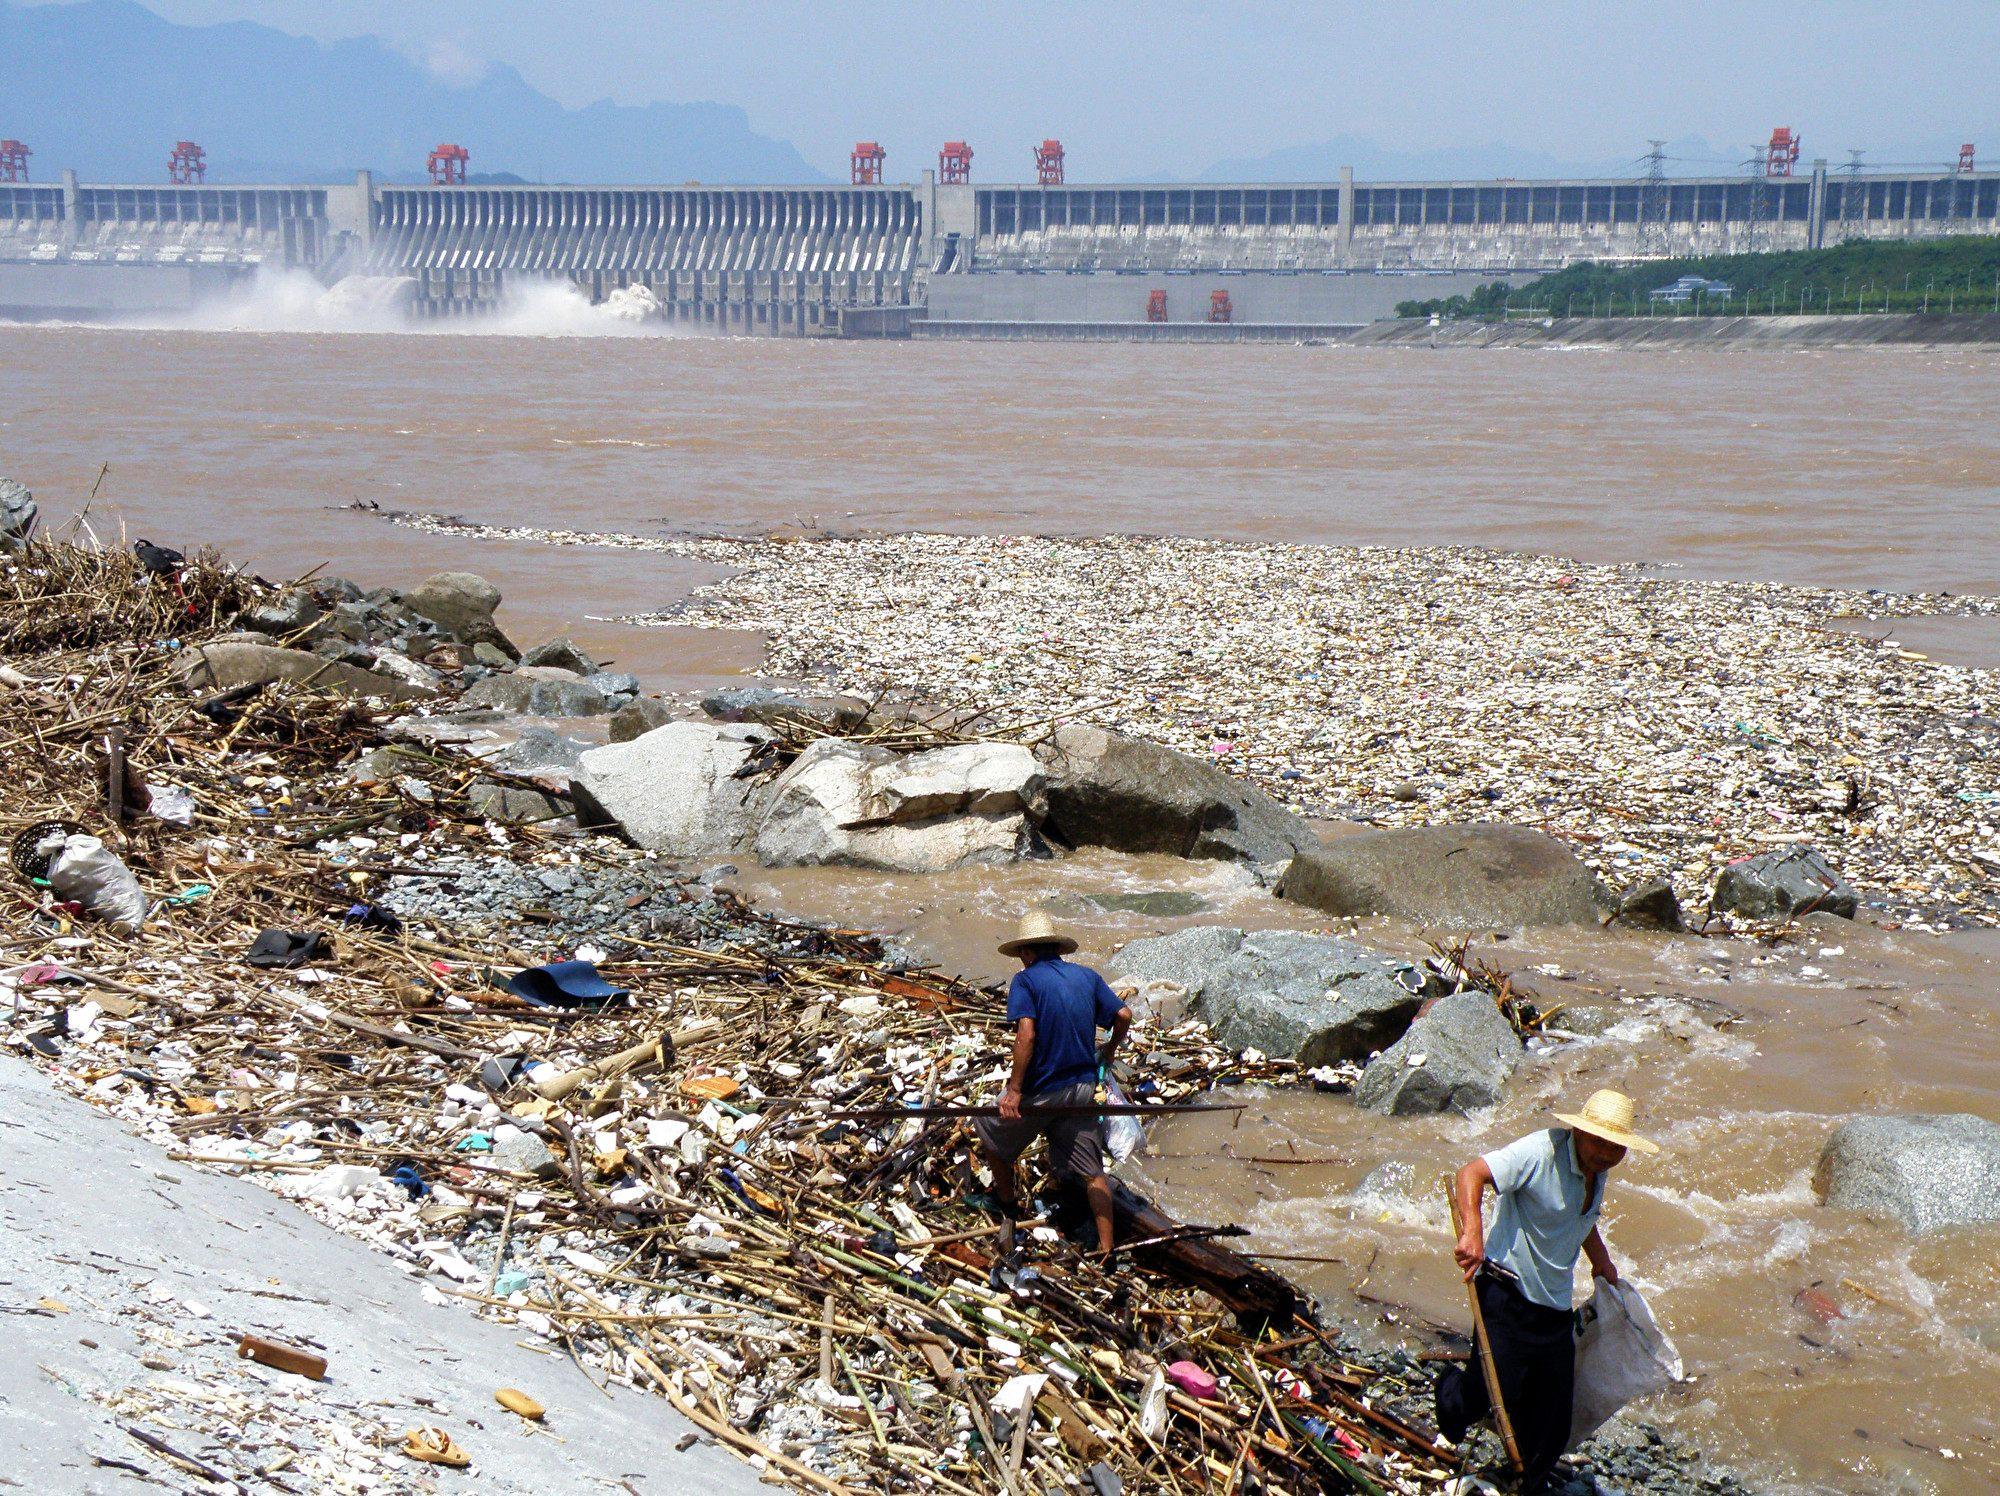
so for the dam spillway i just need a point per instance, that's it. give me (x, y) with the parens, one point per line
(815, 259)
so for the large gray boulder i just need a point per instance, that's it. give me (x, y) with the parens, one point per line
(234, 660)
(514, 803)
(17, 514)
(1190, 957)
(1784, 885)
(637, 718)
(543, 753)
(1456, 1057)
(1925, 1173)
(539, 691)
(287, 615)
(1314, 998)
(1107, 789)
(833, 715)
(673, 790)
(462, 604)
(1460, 877)
(857, 806)
(963, 779)
(562, 654)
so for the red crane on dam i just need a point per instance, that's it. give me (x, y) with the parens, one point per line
(187, 164)
(1049, 163)
(955, 162)
(1782, 154)
(448, 163)
(1964, 156)
(14, 161)
(867, 162)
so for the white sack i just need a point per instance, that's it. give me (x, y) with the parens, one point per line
(90, 873)
(1122, 1135)
(1622, 1355)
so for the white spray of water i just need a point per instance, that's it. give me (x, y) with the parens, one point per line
(294, 301)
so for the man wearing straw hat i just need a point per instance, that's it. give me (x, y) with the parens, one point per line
(1550, 1189)
(1056, 1007)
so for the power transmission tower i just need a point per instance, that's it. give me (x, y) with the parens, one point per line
(1653, 201)
(1754, 235)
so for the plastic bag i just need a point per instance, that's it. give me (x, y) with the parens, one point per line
(1622, 1355)
(1122, 1135)
(90, 873)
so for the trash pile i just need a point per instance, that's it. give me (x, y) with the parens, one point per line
(1665, 726)
(681, 1150)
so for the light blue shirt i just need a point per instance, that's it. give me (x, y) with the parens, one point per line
(1540, 1222)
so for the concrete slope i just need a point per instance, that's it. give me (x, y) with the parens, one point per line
(153, 1269)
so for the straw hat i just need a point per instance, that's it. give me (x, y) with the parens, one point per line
(1608, 1115)
(1036, 929)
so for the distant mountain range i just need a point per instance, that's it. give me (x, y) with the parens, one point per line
(107, 87)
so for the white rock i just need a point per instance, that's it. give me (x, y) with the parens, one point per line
(671, 790)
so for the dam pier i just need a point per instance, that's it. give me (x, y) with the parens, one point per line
(931, 258)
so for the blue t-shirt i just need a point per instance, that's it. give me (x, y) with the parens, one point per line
(1542, 1218)
(1069, 1005)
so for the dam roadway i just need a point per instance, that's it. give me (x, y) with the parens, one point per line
(1290, 258)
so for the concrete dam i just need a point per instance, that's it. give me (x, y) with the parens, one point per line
(932, 258)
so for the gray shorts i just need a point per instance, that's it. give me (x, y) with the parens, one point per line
(1076, 1142)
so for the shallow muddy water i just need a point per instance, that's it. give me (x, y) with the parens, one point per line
(1868, 467)
(1745, 1058)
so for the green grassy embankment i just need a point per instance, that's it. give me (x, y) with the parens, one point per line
(1960, 274)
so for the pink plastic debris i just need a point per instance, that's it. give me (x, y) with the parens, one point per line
(1192, 1380)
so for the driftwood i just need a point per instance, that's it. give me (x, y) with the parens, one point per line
(1260, 1298)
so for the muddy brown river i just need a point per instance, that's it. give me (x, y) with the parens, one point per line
(1871, 467)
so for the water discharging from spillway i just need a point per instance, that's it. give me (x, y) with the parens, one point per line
(293, 301)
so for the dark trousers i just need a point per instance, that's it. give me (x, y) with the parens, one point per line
(1534, 1351)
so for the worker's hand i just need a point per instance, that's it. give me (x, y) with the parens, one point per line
(1470, 1253)
(1010, 1105)
(1609, 1272)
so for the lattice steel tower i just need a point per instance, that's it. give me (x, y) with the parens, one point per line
(1653, 201)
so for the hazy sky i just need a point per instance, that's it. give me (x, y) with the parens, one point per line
(1171, 86)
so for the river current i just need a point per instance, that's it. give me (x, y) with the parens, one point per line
(1865, 467)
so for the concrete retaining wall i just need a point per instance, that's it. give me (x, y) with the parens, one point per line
(1132, 332)
(1255, 298)
(81, 290)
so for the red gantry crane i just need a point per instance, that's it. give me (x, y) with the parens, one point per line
(1049, 163)
(14, 161)
(187, 165)
(955, 162)
(1964, 156)
(867, 162)
(1782, 154)
(448, 163)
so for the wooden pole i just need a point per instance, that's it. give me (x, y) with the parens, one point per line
(1501, 1421)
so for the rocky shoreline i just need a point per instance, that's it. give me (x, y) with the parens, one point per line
(348, 756)
(1664, 727)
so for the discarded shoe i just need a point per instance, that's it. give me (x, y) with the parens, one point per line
(434, 1446)
(373, 917)
(285, 948)
(563, 984)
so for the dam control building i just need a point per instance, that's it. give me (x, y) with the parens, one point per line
(935, 257)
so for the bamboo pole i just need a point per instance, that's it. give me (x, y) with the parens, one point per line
(1485, 1347)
